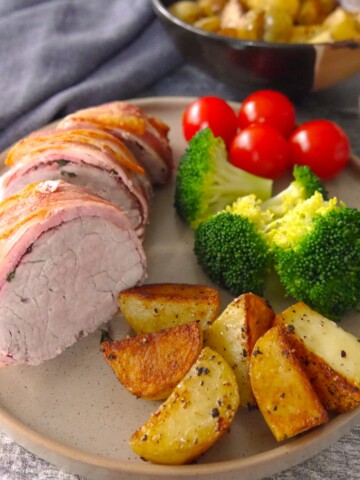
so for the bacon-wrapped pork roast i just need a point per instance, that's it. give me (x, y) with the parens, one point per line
(88, 157)
(73, 212)
(114, 149)
(65, 254)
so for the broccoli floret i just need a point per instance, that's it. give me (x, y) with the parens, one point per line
(304, 185)
(316, 252)
(312, 243)
(232, 247)
(206, 182)
(233, 252)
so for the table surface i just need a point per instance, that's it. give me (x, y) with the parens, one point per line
(340, 104)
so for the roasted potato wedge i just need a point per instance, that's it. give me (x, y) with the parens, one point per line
(150, 366)
(329, 355)
(157, 306)
(198, 412)
(234, 334)
(282, 390)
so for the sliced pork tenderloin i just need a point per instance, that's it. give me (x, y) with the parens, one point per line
(65, 254)
(145, 135)
(90, 158)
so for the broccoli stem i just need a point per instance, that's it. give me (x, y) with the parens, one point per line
(230, 180)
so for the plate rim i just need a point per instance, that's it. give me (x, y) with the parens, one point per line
(344, 422)
(310, 443)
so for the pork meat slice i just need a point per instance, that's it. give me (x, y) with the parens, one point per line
(145, 135)
(65, 254)
(89, 158)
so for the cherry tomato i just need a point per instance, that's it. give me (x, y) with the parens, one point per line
(322, 145)
(270, 107)
(261, 150)
(212, 112)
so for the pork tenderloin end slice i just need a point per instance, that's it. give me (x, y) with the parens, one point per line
(65, 286)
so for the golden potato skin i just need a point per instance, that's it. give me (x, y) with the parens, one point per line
(234, 333)
(197, 413)
(154, 307)
(150, 366)
(282, 390)
(329, 356)
(335, 392)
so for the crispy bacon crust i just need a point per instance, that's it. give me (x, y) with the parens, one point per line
(129, 123)
(31, 146)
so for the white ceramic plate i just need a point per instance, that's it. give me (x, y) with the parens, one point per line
(74, 413)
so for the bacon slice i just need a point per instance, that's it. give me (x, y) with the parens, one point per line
(95, 139)
(146, 136)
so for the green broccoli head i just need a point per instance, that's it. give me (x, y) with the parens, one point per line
(233, 253)
(304, 185)
(316, 251)
(206, 182)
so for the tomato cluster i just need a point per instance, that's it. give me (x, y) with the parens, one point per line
(263, 138)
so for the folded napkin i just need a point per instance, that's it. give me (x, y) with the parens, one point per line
(57, 56)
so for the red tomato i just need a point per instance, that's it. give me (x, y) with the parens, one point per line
(261, 150)
(212, 112)
(270, 107)
(322, 145)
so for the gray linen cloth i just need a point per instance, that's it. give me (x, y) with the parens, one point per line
(57, 56)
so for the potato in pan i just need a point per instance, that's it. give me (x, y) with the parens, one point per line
(284, 21)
